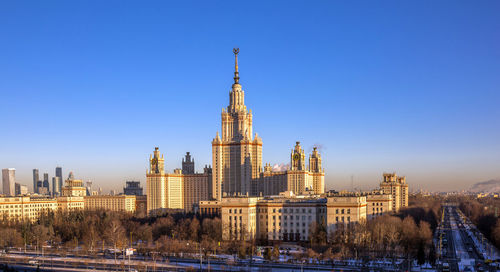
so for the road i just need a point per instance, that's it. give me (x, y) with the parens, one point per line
(456, 243)
(51, 263)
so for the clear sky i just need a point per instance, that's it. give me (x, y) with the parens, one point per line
(379, 86)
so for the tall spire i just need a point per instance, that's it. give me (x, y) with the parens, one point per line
(236, 74)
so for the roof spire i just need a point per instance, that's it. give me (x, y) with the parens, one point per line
(236, 74)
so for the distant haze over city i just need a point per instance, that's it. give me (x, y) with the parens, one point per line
(94, 92)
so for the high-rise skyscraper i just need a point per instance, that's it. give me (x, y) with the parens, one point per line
(56, 186)
(236, 154)
(36, 178)
(60, 175)
(46, 184)
(9, 181)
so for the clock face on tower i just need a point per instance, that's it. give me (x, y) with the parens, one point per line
(154, 161)
(296, 157)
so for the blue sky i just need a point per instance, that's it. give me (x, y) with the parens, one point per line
(405, 86)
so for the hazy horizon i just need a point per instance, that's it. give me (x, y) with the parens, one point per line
(396, 86)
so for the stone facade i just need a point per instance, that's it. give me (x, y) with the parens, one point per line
(175, 190)
(397, 187)
(237, 157)
(345, 209)
(8, 181)
(119, 203)
(378, 204)
(73, 187)
(287, 217)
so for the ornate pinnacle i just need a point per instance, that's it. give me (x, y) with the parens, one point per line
(236, 74)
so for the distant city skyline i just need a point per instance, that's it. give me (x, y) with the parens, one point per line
(402, 87)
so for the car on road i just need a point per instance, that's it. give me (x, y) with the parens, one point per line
(445, 267)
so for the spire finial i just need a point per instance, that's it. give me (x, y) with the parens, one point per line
(236, 74)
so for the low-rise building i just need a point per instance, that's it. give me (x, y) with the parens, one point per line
(289, 218)
(25, 208)
(346, 209)
(377, 204)
(239, 218)
(70, 203)
(121, 203)
(209, 208)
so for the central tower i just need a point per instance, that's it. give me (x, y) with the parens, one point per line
(237, 155)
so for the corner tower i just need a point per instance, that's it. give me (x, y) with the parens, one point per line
(236, 154)
(156, 182)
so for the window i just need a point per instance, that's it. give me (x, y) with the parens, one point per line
(230, 210)
(348, 211)
(337, 211)
(342, 211)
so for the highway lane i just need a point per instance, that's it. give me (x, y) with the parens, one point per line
(457, 247)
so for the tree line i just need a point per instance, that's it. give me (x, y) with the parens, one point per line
(484, 214)
(406, 234)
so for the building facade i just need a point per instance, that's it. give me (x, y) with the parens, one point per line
(239, 218)
(377, 204)
(237, 157)
(46, 184)
(21, 189)
(291, 218)
(133, 188)
(56, 186)
(36, 178)
(9, 181)
(188, 164)
(30, 208)
(175, 190)
(397, 187)
(119, 203)
(70, 203)
(73, 187)
(345, 209)
(25, 208)
(236, 153)
(60, 176)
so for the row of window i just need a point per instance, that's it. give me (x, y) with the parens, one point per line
(343, 219)
(343, 211)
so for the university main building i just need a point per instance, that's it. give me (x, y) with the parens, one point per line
(237, 165)
(252, 199)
